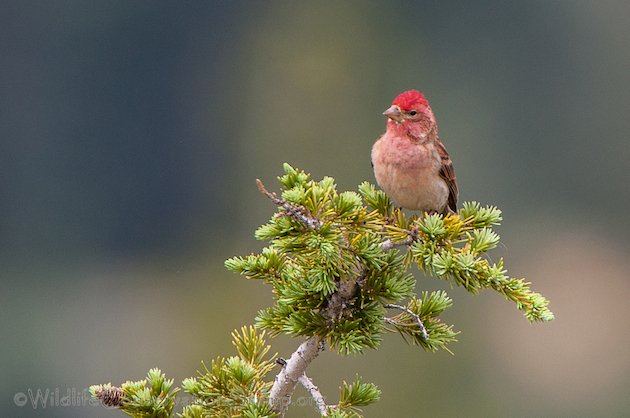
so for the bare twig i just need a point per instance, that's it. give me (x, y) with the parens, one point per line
(296, 212)
(423, 330)
(411, 238)
(315, 393)
(284, 385)
(389, 244)
(308, 384)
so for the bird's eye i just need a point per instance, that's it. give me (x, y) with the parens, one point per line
(413, 113)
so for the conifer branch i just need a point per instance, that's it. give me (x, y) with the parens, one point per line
(153, 396)
(286, 380)
(320, 403)
(411, 238)
(295, 367)
(296, 212)
(336, 262)
(390, 244)
(312, 389)
(423, 330)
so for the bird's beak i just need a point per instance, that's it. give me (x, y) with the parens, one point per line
(393, 113)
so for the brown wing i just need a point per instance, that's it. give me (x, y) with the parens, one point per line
(447, 172)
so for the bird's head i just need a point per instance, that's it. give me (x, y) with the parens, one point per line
(411, 112)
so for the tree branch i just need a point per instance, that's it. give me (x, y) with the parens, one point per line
(389, 244)
(315, 394)
(413, 237)
(296, 212)
(284, 385)
(295, 367)
(425, 334)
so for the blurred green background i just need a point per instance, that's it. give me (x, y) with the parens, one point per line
(132, 132)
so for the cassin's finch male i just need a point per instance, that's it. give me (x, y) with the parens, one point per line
(410, 162)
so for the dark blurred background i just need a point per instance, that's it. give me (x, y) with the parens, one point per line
(132, 132)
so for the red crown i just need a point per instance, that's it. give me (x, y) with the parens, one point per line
(410, 99)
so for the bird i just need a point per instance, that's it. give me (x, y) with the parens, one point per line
(411, 165)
